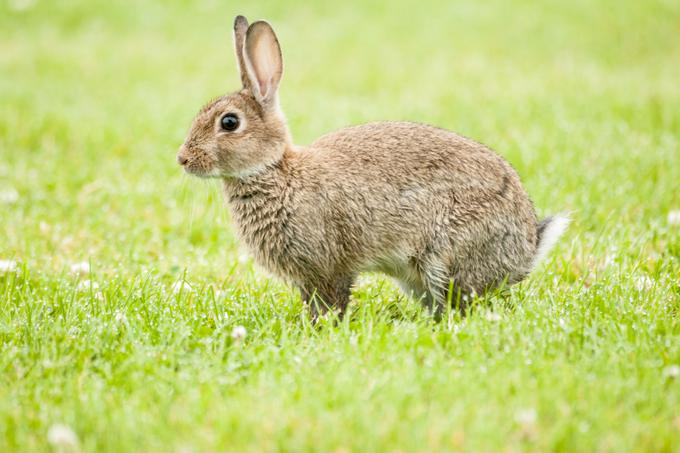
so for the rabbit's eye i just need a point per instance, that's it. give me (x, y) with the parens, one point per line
(230, 122)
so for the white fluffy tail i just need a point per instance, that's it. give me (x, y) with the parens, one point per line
(549, 231)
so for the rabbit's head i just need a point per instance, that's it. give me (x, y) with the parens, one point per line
(242, 133)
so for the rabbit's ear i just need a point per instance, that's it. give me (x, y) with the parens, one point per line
(240, 29)
(264, 64)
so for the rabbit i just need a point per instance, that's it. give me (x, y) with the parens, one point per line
(443, 215)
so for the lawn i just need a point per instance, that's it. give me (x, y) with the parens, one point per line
(124, 291)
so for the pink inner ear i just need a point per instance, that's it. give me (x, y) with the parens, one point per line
(263, 86)
(261, 51)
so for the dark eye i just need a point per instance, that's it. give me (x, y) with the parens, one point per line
(230, 122)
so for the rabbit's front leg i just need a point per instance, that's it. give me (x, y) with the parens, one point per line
(324, 296)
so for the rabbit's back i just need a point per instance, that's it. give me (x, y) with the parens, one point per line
(404, 167)
(403, 152)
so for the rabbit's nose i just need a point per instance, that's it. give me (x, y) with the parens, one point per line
(181, 157)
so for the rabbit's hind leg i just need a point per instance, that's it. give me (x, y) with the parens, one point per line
(426, 284)
(444, 290)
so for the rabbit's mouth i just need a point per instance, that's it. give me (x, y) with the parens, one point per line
(197, 164)
(202, 172)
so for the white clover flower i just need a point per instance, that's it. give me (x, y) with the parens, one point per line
(238, 333)
(181, 286)
(674, 218)
(87, 285)
(609, 260)
(493, 316)
(62, 436)
(643, 282)
(243, 258)
(8, 266)
(9, 196)
(120, 316)
(526, 416)
(81, 268)
(671, 371)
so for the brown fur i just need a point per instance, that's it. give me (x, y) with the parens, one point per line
(421, 204)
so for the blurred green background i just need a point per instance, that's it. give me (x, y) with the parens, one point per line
(582, 97)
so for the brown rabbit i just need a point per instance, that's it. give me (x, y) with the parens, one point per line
(430, 208)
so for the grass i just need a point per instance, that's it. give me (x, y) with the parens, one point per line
(581, 97)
